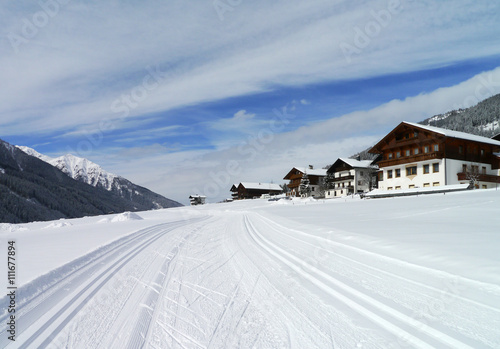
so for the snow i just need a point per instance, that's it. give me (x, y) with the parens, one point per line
(456, 134)
(261, 186)
(77, 168)
(409, 272)
(357, 163)
(126, 216)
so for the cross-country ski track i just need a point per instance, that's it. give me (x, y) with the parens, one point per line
(248, 276)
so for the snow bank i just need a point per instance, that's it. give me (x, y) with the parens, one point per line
(59, 224)
(10, 228)
(126, 216)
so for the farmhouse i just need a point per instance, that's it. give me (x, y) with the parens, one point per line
(315, 177)
(418, 156)
(350, 176)
(246, 190)
(197, 199)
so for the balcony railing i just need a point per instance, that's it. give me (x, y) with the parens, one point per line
(341, 179)
(462, 176)
(411, 158)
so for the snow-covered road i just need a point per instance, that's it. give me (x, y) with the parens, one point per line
(276, 275)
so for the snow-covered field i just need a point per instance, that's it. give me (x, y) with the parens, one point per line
(417, 272)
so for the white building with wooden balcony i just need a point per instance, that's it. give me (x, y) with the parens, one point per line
(350, 176)
(418, 156)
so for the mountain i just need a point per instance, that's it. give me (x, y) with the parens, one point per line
(88, 172)
(33, 190)
(482, 119)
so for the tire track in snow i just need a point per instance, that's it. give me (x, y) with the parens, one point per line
(77, 302)
(392, 320)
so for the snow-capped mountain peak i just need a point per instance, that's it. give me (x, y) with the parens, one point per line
(77, 168)
(84, 170)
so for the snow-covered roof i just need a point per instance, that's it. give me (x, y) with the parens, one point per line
(312, 172)
(197, 196)
(455, 134)
(261, 186)
(357, 163)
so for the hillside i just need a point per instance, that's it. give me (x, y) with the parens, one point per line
(482, 119)
(32, 190)
(88, 172)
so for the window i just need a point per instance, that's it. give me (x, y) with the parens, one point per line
(435, 167)
(398, 173)
(484, 170)
(389, 188)
(411, 186)
(427, 185)
(312, 188)
(435, 184)
(475, 169)
(464, 168)
(485, 186)
(381, 176)
(415, 151)
(427, 169)
(411, 171)
(436, 147)
(389, 174)
(426, 149)
(482, 152)
(415, 134)
(389, 156)
(398, 187)
(460, 149)
(398, 154)
(408, 152)
(359, 183)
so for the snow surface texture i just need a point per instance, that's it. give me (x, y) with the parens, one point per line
(413, 272)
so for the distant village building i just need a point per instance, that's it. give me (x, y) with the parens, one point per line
(314, 176)
(247, 190)
(197, 200)
(418, 156)
(350, 176)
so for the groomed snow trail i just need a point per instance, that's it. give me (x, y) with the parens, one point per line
(242, 279)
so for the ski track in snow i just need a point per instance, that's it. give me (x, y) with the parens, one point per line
(239, 279)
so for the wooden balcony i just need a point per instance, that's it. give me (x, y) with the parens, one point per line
(341, 179)
(462, 176)
(410, 159)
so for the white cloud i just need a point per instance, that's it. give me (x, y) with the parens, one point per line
(319, 144)
(91, 54)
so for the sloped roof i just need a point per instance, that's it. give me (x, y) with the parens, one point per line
(455, 134)
(352, 163)
(310, 172)
(261, 186)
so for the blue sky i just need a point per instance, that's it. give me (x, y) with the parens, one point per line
(168, 93)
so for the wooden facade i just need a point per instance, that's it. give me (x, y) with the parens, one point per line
(295, 176)
(246, 190)
(350, 176)
(417, 150)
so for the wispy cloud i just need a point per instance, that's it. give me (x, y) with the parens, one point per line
(91, 54)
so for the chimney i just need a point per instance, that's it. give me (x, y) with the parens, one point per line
(311, 167)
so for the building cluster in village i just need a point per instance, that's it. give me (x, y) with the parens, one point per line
(411, 159)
